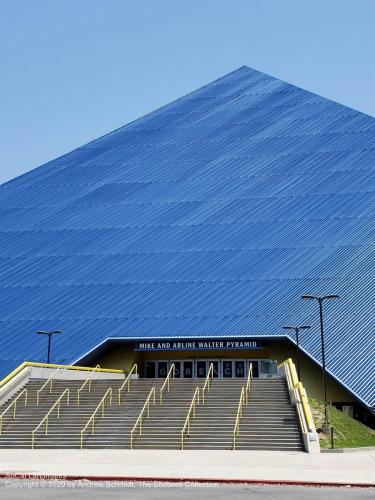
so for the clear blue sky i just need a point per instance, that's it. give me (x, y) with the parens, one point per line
(72, 70)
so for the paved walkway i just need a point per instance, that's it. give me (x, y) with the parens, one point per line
(348, 468)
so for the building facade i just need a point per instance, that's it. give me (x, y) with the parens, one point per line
(189, 236)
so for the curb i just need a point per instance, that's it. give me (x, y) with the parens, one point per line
(281, 482)
(347, 450)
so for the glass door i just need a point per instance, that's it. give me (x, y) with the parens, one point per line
(187, 369)
(150, 369)
(201, 368)
(216, 364)
(268, 368)
(162, 369)
(240, 368)
(177, 368)
(274, 369)
(255, 364)
(265, 368)
(227, 368)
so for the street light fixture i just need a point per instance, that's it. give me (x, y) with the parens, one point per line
(297, 329)
(320, 300)
(50, 333)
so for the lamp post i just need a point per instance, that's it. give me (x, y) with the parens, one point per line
(297, 329)
(320, 300)
(50, 334)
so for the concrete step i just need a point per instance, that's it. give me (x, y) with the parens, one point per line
(268, 418)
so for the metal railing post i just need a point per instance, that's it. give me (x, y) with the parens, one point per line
(249, 382)
(87, 381)
(48, 382)
(191, 413)
(100, 407)
(166, 383)
(45, 420)
(236, 429)
(139, 421)
(127, 381)
(207, 383)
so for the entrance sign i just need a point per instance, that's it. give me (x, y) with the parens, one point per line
(197, 345)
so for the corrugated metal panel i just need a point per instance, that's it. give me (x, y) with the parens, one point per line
(210, 216)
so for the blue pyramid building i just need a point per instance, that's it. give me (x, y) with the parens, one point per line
(209, 217)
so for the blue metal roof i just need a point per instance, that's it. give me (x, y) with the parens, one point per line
(209, 216)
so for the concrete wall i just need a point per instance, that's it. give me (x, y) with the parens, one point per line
(15, 384)
(29, 372)
(122, 356)
(65, 374)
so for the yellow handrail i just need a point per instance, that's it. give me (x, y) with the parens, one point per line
(127, 381)
(293, 373)
(239, 415)
(249, 382)
(140, 417)
(48, 381)
(46, 417)
(306, 407)
(171, 372)
(207, 383)
(92, 418)
(14, 404)
(27, 364)
(87, 381)
(190, 414)
(301, 391)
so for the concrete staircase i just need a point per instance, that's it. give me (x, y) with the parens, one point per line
(113, 431)
(63, 432)
(212, 427)
(269, 420)
(162, 430)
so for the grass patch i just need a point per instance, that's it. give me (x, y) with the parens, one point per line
(348, 432)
